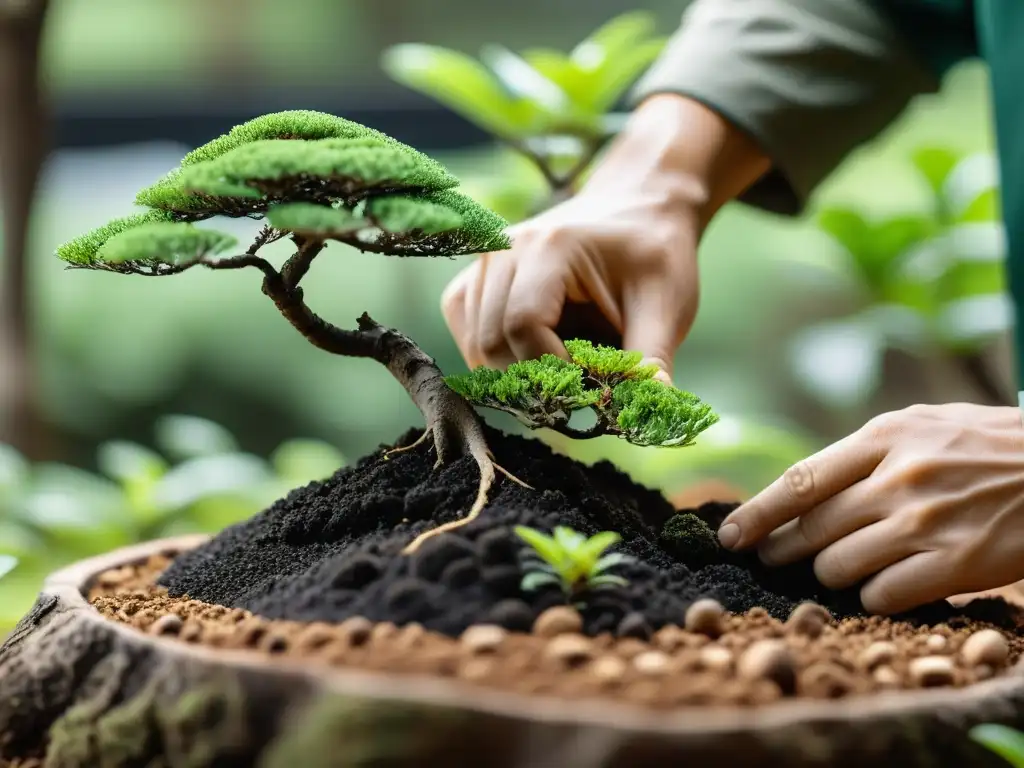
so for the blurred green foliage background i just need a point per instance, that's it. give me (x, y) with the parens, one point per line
(784, 302)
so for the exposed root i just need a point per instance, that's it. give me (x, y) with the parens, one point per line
(419, 441)
(486, 481)
(512, 477)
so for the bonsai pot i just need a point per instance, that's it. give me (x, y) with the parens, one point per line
(80, 688)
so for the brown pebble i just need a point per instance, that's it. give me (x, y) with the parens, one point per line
(986, 646)
(771, 660)
(808, 619)
(356, 630)
(936, 643)
(670, 638)
(705, 617)
(115, 577)
(757, 612)
(651, 663)
(314, 637)
(877, 654)
(476, 668)
(383, 630)
(715, 658)
(169, 624)
(608, 668)
(826, 680)
(886, 677)
(559, 620)
(191, 632)
(569, 649)
(983, 672)
(932, 671)
(483, 638)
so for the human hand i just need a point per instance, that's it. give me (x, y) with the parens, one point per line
(625, 244)
(925, 503)
(633, 256)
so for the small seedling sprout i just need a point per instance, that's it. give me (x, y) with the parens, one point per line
(572, 561)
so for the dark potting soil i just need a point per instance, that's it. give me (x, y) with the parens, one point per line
(332, 550)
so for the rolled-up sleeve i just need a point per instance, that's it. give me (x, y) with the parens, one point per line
(809, 80)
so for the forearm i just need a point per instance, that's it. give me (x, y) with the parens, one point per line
(807, 80)
(684, 153)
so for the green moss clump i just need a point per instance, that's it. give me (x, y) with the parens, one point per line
(404, 214)
(652, 413)
(357, 165)
(608, 365)
(82, 251)
(315, 220)
(164, 242)
(690, 540)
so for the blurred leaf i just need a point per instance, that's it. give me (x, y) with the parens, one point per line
(969, 323)
(612, 39)
(935, 164)
(984, 208)
(299, 462)
(14, 468)
(126, 461)
(195, 479)
(189, 437)
(462, 84)
(973, 177)
(847, 227)
(522, 80)
(1005, 742)
(18, 540)
(618, 73)
(890, 240)
(560, 69)
(839, 362)
(64, 497)
(212, 514)
(7, 564)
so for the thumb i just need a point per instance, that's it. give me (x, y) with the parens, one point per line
(651, 327)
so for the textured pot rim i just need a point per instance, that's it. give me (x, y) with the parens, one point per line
(70, 585)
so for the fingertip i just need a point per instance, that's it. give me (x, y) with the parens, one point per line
(729, 535)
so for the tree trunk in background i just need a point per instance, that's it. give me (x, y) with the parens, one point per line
(24, 127)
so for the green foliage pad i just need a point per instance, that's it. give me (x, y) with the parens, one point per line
(308, 174)
(612, 383)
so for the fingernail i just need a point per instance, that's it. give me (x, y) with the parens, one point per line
(729, 535)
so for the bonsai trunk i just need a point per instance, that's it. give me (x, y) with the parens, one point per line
(451, 422)
(23, 123)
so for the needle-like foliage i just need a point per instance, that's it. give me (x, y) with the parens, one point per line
(612, 383)
(308, 174)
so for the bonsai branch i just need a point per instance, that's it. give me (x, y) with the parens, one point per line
(451, 422)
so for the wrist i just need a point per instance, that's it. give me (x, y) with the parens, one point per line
(682, 154)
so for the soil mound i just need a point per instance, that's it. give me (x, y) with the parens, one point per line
(332, 550)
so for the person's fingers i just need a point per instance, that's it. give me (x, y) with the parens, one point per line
(490, 321)
(921, 578)
(650, 324)
(534, 307)
(453, 308)
(802, 487)
(848, 511)
(474, 292)
(863, 553)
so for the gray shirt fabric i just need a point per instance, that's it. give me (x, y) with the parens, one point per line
(809, 80)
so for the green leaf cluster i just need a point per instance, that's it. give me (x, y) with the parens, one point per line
(571, 561)
(195, 479)
(929, 263)
(652, 413)
(309, 174)
(610, 382)
(538, 91)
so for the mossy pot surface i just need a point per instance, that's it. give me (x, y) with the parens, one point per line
(79, 690)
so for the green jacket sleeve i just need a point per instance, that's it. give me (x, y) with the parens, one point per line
(809, 80)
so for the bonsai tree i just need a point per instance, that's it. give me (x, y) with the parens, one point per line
(317, 179)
